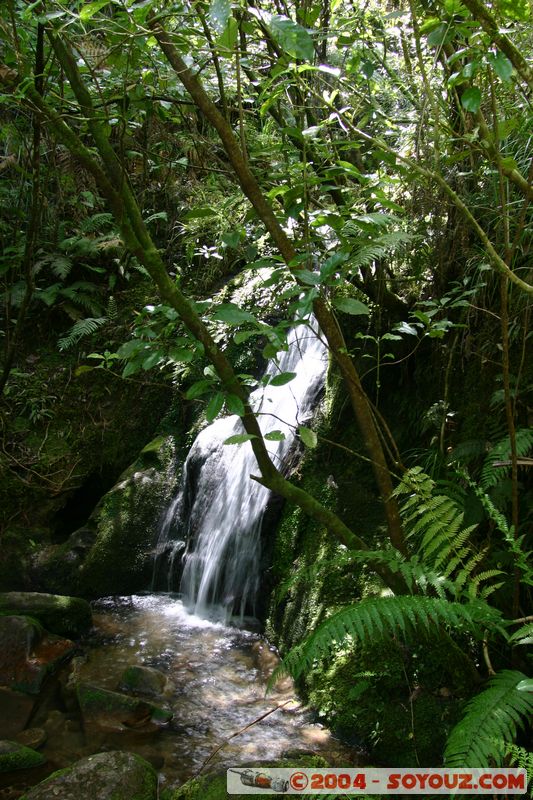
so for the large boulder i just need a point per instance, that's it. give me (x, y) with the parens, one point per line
(105, 776)
(28, 653)
(14, 755)
(116, 711)
(112, 553)
(17, 708)
(66, 616)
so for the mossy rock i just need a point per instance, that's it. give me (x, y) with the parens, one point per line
(15, 756)
(143, 680)
(112, 553)
(105, 776)
(66, 616)
(115, 710)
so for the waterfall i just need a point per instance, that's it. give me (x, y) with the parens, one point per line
(214, 522)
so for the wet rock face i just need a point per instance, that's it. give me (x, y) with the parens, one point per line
(65, 616)
(14, 756)
(116, 775)
(28, 654)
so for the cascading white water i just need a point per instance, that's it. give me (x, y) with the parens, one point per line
(216, 516)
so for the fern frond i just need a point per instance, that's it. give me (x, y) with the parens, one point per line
(523, 635)
(493, 716)
(81, 328)
(522, 759)
(382, 617)
(493, 470)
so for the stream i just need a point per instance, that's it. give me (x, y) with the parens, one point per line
(217, 678)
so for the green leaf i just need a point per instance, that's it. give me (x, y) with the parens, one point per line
(200, 213)
(228, 38)
(90, 9)
(153, 359)
(235, 405)
(130, 369)
(308, 437)
(243, 336)
(275, 436)
(181, 355)
(349, 305)
(198, 389)
(291, 37)
(282, 378)
(219, 13)
(232, 314)
(404, 327)
(214, 406)
(438, 36)
(501, 66)
(308, 277)
(525, 686)
(239, 438)
(471, 99)
(232, 238)
(83, 368)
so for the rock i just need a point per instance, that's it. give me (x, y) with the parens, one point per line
(17, 708)
(117, 711)
(112, 553)
(143, 680)
(105, 776)
(28, 654)
(14, 755)
(65, 616)
(32, 737)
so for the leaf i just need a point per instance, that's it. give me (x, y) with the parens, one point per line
(228, 38)
(219, 14)
(405, 327)
(235, 405)
(274, 436)
(181, 355)
(83, 368)
(232, 238)
(501, 66)
(348, 305)
(291, 37)
(91, 9)
(130, 369)
(308, 437)
(282, 378)
(153, 359)
(308, 277)
(200, 213)
(239, 438)
(197, 389)
(471, 99)
(437, 36)
(232, 314)
(525, 686)
(214, 406)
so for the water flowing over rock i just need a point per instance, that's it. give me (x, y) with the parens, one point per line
(214, 522)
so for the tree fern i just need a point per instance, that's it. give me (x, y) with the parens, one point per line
(81, 328)
(384, 617)
(491, 720)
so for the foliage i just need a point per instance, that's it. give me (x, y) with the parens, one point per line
(491, 721)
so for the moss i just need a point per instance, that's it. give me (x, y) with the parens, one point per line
(14, 756)
(66, 616)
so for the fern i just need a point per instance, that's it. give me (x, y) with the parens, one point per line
(383, 617)
(82, 328)
(493, 471)
(523, 759)
(491, 720)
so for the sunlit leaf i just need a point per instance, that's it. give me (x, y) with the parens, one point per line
(308, 437)
(239, 438)
(350, 305)
(471, 99)
(282, 378)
